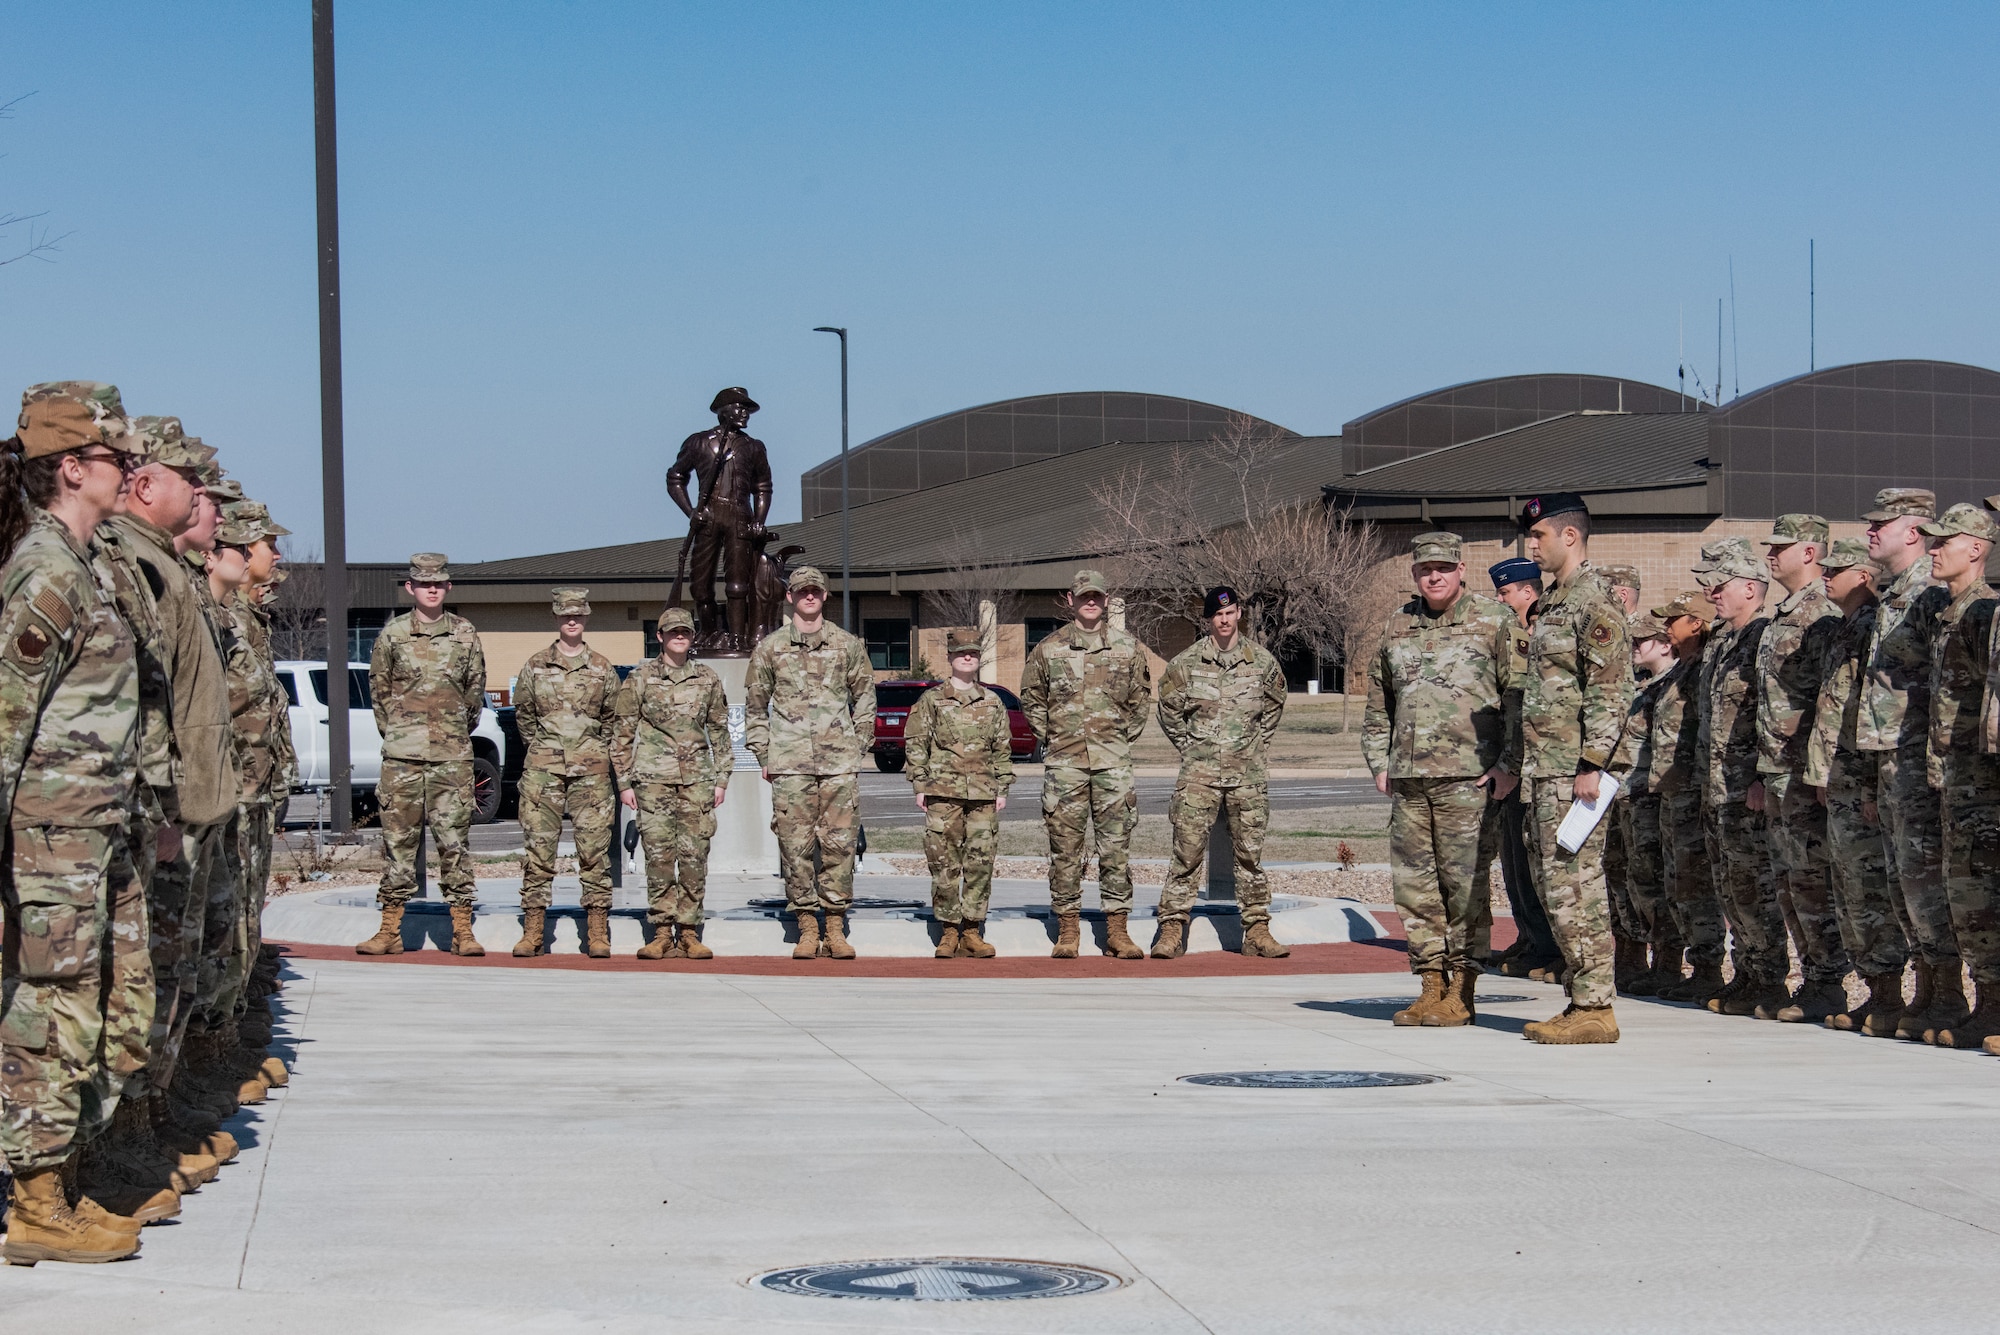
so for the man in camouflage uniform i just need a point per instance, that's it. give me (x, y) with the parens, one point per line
(1793, 659)
(428, 682)
(1085, 691)
(1442, 741)
(1577, 689)
(961, 763)
(1220, 703)
(672, 753)
(1627, 936)
(809, 718)
(1962, 765)
(564, 699)
(1678, 776)
(1517, 584)
(1641, 899)
(1847, 781)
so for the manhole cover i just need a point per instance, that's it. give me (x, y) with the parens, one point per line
(1309, 1079)
(859, 902)
(1400, 1002)
(938, 1279)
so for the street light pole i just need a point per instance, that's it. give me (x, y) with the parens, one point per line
(333, 465)
(846, 522)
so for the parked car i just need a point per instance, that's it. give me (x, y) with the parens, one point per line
(305, 689)
(892, 710)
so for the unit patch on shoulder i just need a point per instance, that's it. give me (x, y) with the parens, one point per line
(1600, 634)
(31, 644)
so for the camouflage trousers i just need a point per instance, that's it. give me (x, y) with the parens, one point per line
(1624, 919)
(1802, 878)
(1915, 840)
(1644, 892)
(1435, 828)
(220, 891)
(176, 899)
(590, 800)
(1074, 802)
(1573, 890)
(1688, 873)
(1969, 812)
(961, 835)
(816, 816)
(1739, 846)
(1192, 814)
(1870, 927)
(676, 821)
(413, 794)
(76, 989)
(259, 819)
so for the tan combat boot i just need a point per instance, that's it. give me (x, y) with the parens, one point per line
(972, 945)
(836, 936)
(90, 1210)
(665, 944)
(132, 1133)
(1455, 1007)
(463, 942)
(1984, 1022)
(690, 944)
(1069, 932)
(1884, 1006)
(274, 1072)
(193, 1157)
(1815, 1003)
(1258, 941)
(947, 946)
(597, 933)
(1169, 940)
(42, 1227)
(1761, 999)
(534, 934)
(1427, 1001)
(1911, 1026)
(808, 946)
(1118, 942)
(1948, 1009)
(1738, 983)
(1578, 1024)
(388, 938)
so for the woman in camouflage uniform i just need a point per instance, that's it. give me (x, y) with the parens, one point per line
(960, 749)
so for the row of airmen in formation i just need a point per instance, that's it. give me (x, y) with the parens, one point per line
(1818, 778)
(144, 746)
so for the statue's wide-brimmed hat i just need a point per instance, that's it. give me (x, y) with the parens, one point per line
(734, 394)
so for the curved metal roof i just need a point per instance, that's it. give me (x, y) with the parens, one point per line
(1478, 408)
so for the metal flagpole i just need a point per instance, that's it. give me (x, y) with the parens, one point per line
(333, 467)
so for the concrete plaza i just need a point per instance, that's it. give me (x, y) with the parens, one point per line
(562, 1150)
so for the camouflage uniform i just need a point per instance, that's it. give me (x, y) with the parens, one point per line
(1220, 710)
(1437, 719)
(428, 684)
(219, 879)
(1578, 689)
(960, 749)
(1794, 656)
(1677, 777)
(672, 749)
(1739, 845)
(258, 711)
(1640, 898)
(564, 705)
(1963, 767)
(69, 753)
(809, 718)
(1085, 694)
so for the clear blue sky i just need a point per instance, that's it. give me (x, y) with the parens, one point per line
(566, 225)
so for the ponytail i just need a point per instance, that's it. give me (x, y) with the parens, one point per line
(26, 485)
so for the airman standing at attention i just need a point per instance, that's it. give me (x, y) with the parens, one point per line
(1578, 687)
(1793, 659)
(1679, 777)
(428, 678)
(1220, 703)
(673, 754)
(564, 701)
(809, 718)
(1643, 893)
(961, 763)
(1627, 934)
(1443, 743)
(1517, 582)
(1085, 691)
(1847, 779)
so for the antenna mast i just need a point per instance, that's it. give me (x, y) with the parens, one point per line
(1812, 306)
(1735, 347)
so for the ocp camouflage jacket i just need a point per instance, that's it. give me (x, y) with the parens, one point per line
(1578, 682)
(1438, 692)
(1961, 655)
(1220, 710)
(810, 706)
(1729, 712)
(1085, 694)
(1797, 651)
(258, 709)
(1676, 741)
(672, 726)
(959, 744)
(1837, 715)
(1636, 756)
(1895, 690)
(429, 684)
(565, 706)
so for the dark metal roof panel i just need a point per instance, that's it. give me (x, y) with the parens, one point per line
(1575, 452)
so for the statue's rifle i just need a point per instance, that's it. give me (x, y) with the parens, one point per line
(680, 567)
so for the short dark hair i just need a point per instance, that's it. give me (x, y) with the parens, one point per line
(1576, 519)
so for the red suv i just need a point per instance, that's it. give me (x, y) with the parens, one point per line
(892, 709)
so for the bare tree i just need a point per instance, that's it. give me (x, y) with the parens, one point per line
(1385, 588)
(37, 244)
(298, 617)
(975, 573)
(1213, 513)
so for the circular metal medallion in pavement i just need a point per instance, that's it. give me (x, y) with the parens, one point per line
(1309, 1079)
(1405, 1001)
(938, 1279)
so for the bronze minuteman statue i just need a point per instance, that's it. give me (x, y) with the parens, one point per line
(726, 523)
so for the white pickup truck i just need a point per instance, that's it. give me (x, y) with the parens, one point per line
(305, 687)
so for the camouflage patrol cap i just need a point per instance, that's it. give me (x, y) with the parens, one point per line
(1621, 577)
(1895, 502)
(245, 517)
(207, 471)
(1847, 553)
(224, 490)
(429, 568)
(70, 414)
(961, 640)
(1089, 581)
(256, 510)
(569, 602)
(1726, 559)
(1965, 517)
(1787, 529)
(163, 442)
(1647, 626)
(805, 577)
(673, 619)
(237, 530)
(1438, 546)
(1686, 603)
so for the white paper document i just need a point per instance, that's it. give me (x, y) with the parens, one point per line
(1582, 817)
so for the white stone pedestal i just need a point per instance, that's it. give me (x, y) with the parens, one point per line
(743, 841)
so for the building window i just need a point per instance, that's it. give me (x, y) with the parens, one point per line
(1040, 628)
(652, 632)
(364, 624)
(888, 641)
